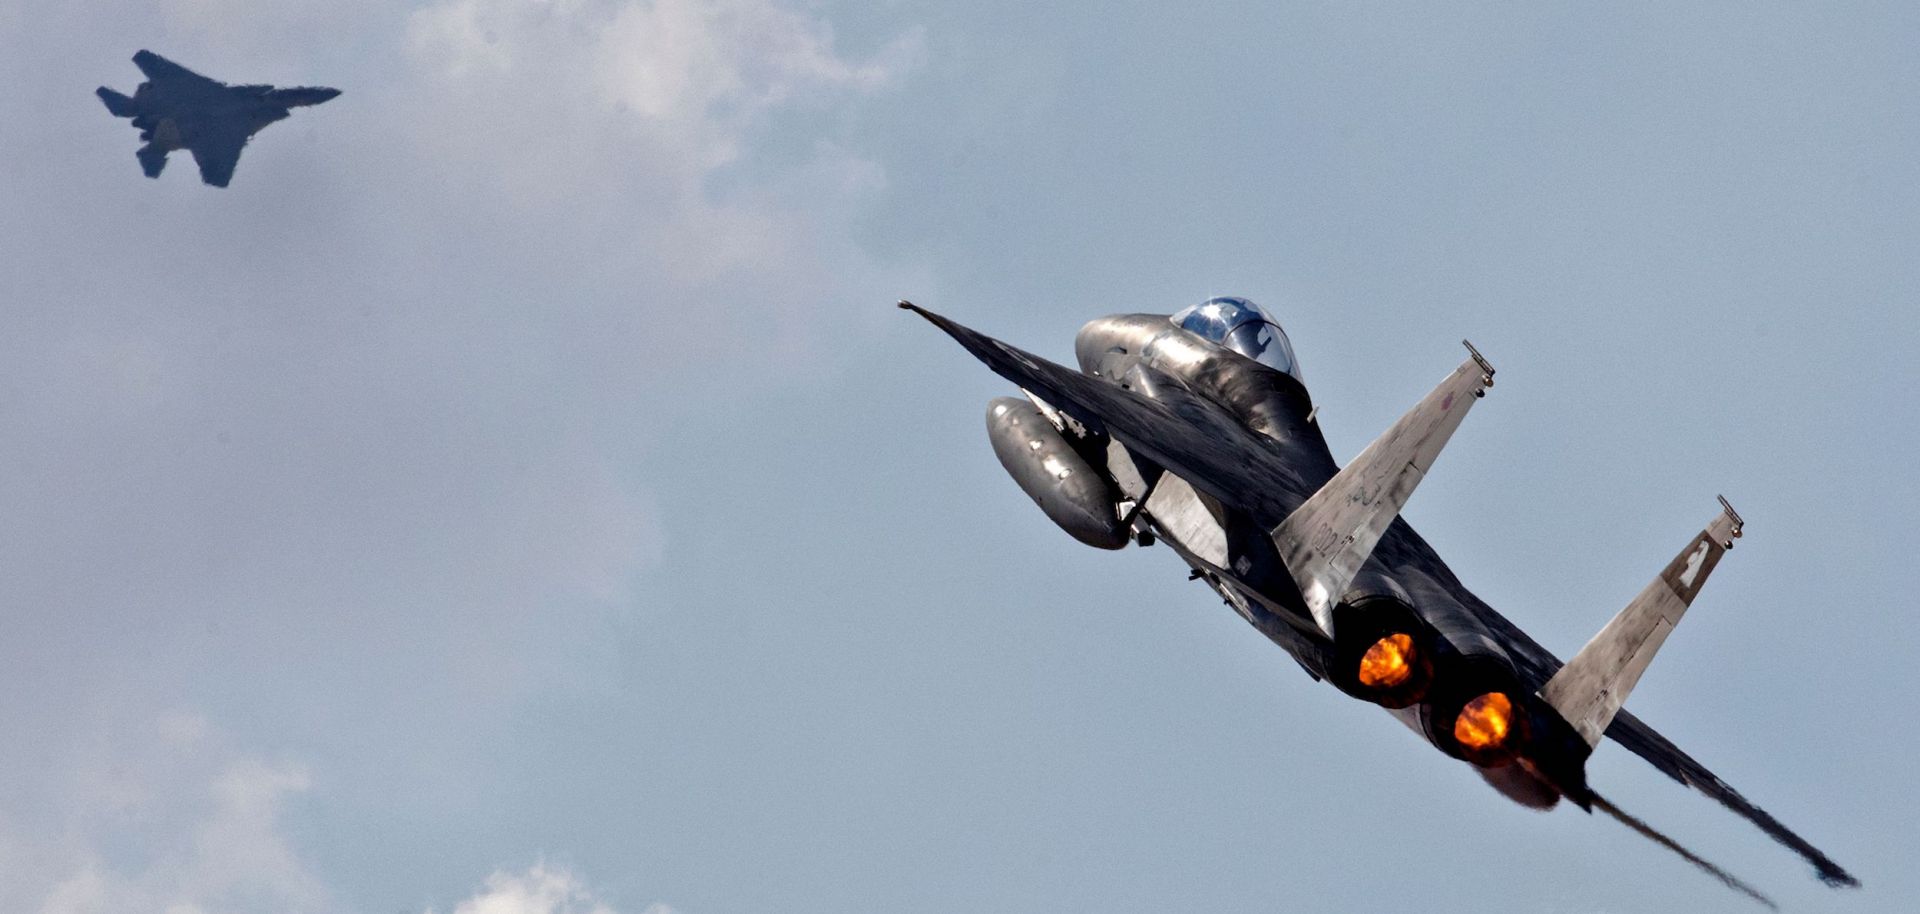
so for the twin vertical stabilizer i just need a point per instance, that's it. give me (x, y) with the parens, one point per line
(1590, 689)
(1326, 540)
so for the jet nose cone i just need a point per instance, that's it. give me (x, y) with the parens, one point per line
(303, 95)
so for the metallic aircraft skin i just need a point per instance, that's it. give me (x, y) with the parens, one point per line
(1207, 440)
(177, 108)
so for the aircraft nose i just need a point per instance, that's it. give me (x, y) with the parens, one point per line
(304, 95)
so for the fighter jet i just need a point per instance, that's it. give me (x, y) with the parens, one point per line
(177, 108)
(1196, 429)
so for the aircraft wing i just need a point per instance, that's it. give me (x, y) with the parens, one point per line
(159, 68)
(1185, 434)
(216, 149)
(1190, 436)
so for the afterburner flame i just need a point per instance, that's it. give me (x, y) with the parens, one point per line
(1484, 722)
(1388, 662)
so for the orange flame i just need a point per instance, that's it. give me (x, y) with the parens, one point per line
(1386, 664)
(1484, 722)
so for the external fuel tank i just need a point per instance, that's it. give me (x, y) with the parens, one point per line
(1078, 497)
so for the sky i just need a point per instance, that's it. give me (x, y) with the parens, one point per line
(517, 494)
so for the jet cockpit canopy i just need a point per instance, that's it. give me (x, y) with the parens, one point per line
(1240, 325)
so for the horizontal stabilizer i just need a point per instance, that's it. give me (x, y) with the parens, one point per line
(120, 105)
(1328, 538)
(1644, 741)
(1590, 689)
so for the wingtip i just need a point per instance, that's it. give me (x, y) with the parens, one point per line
(1833, 875)
(1839, 879)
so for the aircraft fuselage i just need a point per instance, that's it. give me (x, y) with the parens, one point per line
(1458, 659)
(1197, 429)
(177, 108)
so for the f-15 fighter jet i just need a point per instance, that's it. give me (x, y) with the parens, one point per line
(177, 108)
(1197, 429)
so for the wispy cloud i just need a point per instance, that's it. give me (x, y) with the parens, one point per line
(171, 816)
(167, 817)
(540, 889)
(396, 386)
(362, 442)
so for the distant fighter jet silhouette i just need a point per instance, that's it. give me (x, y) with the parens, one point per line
(177, 108)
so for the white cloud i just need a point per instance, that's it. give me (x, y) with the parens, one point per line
(361, 441)
(614, 116)
(696, 71)
(262, 27)
(539, 890)
(166, 817)
(397, 385)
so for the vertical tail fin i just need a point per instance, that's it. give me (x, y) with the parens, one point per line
(1590, 689)
(1326, 540)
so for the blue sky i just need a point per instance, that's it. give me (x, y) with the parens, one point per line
(517, 495)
